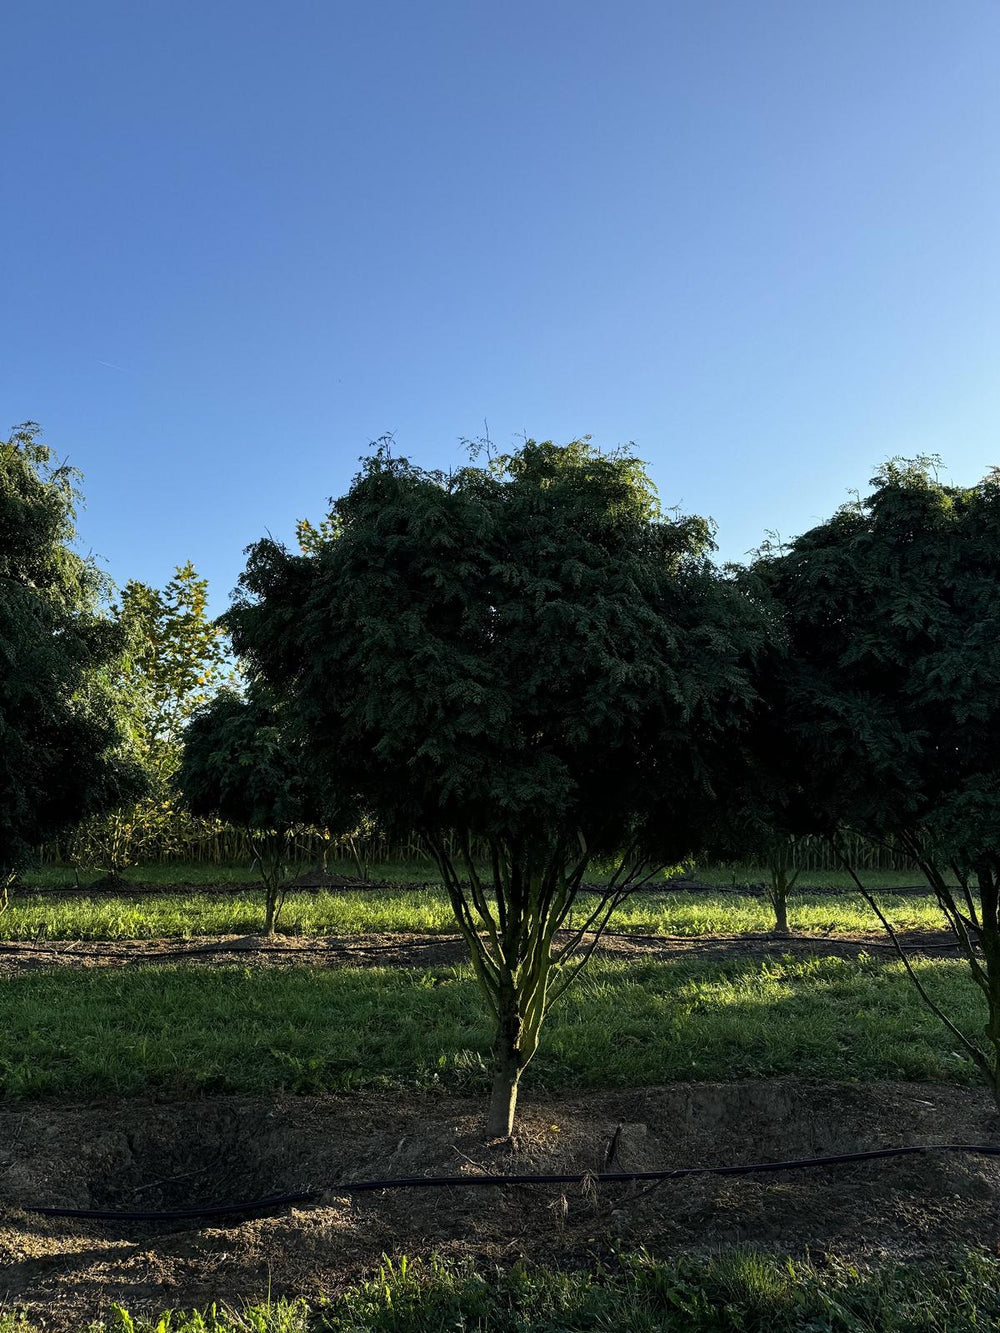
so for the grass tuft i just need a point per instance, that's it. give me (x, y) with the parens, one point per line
(741, 1291)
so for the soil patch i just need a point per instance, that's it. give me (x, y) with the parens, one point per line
(142, 1155)
(433, 950)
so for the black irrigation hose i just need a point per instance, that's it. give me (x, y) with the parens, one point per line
(454, 1182)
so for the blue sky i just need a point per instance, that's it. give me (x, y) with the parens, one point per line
(241, 240)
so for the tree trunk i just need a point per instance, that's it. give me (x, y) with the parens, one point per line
(778, 894)
(508, 1062)
(780, 903)
(503, 1097)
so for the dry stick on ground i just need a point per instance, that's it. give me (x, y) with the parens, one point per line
(510, 927)
(977, 1055)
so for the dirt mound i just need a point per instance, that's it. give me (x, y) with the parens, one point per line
(138, 1155)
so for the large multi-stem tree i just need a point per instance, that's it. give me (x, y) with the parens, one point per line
(529, 664)
(891, 692)
(63, 735)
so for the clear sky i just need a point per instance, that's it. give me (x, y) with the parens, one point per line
(240, 240)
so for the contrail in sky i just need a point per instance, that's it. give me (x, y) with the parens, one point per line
(111, 366)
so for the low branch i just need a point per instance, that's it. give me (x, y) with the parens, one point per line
(977, 1055)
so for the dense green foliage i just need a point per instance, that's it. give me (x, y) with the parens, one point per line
(893, 675)
(176, 661)
(63, 751)
(237, 763)
(523, 651)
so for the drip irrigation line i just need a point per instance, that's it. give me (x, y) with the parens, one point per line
(276, 1201)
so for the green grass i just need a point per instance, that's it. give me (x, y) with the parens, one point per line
(184, 1030)
(240, 912)
(740, 1291)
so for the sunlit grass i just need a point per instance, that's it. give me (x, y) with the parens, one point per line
(238, 909)
(184, 1029)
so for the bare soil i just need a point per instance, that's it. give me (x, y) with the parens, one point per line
(150, 1155)
(420, 950)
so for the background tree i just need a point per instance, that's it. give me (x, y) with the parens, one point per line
(892, 689)
(526, 654)
(765, 807)
(64, 750)
(238, 763)
(175, 659)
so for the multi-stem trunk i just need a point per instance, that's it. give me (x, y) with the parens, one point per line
(269, 855)
(511, 920)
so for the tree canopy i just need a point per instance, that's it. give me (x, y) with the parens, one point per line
(63, 735)
(176, 659)
(237, 763)
(892, 681)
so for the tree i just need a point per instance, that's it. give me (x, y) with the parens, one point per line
(64, 750)
(526, 657)
(892, 689)
(237, 763)
(175, 659)
(765, 808)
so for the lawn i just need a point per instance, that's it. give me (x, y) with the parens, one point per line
(237, 909)
(185, 1029)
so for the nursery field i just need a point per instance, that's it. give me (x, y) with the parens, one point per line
(154, 1055)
